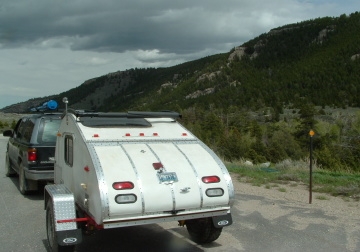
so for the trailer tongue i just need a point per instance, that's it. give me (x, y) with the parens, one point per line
(124, 169)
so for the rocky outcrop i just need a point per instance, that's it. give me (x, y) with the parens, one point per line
(324, 33)
(239, 52)
(165, 86)
(355, 57)
(198, 93)
(208, 76)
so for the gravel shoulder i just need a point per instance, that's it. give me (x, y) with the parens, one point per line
(272, 203)
(299, 195)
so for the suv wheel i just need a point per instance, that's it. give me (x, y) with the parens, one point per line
(26, 185)
(9, 172)
(22, 181)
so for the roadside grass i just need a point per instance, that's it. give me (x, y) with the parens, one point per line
(322, 197)
(292, 173)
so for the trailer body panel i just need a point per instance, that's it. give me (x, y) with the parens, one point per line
(164, 167)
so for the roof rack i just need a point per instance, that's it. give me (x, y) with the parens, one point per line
(129, 114)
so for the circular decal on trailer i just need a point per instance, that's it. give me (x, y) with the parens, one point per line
(69, 240)
(223, 223)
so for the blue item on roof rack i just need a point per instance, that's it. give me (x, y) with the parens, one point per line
(49, 105)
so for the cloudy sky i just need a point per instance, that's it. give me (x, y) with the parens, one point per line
(51, 46)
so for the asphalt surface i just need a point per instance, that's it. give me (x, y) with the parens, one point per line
(22, 228)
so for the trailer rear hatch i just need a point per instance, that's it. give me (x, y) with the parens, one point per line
(161, 178)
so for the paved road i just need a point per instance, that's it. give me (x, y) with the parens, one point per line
(22, 228)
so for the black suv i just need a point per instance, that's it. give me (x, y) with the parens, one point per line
(31, 149)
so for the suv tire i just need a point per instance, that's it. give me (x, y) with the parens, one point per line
(26, 185)
(9, 171)
(22, 181)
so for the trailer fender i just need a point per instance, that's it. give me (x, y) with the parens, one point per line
(64, 212)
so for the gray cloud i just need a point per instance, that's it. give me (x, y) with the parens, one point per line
(58, 44)
(169, 26)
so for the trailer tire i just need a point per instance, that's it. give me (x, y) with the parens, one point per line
(9, 170)
(202, 230)
(51, 233)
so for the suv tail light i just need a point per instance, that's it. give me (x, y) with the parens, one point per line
(32, 155)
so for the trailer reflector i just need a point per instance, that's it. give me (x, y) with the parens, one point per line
(157, 166)
(125, 198)
(210, 179)
(85, 219)
(214, 192)
(123, 185)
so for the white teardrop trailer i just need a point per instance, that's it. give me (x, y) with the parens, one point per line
(117, 170)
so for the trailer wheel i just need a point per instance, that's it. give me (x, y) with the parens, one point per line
(202, 230)
(51, 234)
(9, 171)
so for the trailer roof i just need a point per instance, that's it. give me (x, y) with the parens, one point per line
(114, 122)
(126, 119)
(130, 114)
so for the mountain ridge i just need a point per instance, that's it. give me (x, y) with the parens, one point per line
(317, 59)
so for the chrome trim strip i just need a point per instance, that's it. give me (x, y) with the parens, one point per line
(225, 172)
(103, 189)
(196, 175)
(137, 178)
(164, 169)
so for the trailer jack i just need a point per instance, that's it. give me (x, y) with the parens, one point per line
(182, 223)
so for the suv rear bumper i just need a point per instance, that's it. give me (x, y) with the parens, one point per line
(39, 174)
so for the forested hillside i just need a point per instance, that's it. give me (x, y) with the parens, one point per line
(258, 101)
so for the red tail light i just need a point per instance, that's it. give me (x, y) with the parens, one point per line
(123, 185)
(210, 179)
(32, 155)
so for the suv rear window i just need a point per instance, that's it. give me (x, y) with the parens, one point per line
(25, 130)
(47, 130)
